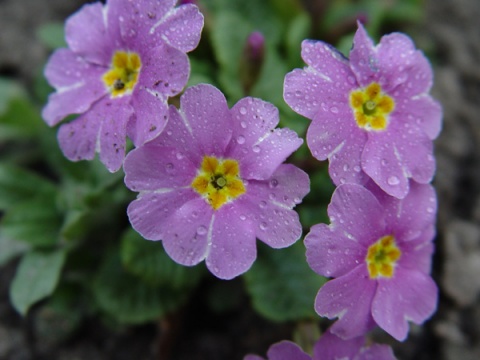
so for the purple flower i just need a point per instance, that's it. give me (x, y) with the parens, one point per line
(378, 250)
(124, 60)
(328, 347)
(213, 181)
(372, 115)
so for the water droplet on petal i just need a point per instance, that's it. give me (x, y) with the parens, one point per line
(179, 156)
(263, 226)
(357, 168)
(243, 111)
(256, 149)
(243, 217)
(201, 230)
(273, 183)
(243, 124)
(169, 167)
(393, 180)
(262, 204)
(241, 139)
(334, 109)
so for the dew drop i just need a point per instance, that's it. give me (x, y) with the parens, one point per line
(179, 156)
(357, 168)
(256, 149)
(169, 167)
(384, 162)
(243, 124)
(201, 230)
(273, 183)
(195, 214)
(243, 217)
(345, 167)
(263, 226)
(262, 204)
(393, 180)
(243, 111)
(334, 109)
(241, 139)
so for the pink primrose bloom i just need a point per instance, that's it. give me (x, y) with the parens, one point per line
(372, 116)
(378, 250)
(213, 181)
(124, 60)
(328, 347)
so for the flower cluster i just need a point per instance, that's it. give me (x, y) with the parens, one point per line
(373, 119)
(212, 179)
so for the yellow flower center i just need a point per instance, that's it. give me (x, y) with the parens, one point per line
(371, 107)
(123, 74)
(382, 257)
(218, 181)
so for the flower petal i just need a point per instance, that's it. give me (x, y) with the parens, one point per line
(356, 212)
(150, 213)
(153, 167)
(376, 352)
(181, 28)
(328, 63)
(405, 69)
(417, 255)
(134, 19)
(331, 347)
(208, 117)
(349, 298)
(233, 249)
(330, 131)
(78, 85)
(286, 350)
(390, 160)
(268, 204)
(410, 216)
(188, 235)
(78, 138)
(86, 34)
(409, 295)
(330, 253)
(363, 57)
(424, 111)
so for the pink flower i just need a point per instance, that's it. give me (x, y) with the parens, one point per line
(125, 59)
(213, 181)
(328, 347)
(372, 116)
(378, 250)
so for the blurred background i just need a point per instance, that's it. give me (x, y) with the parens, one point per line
(90, 288)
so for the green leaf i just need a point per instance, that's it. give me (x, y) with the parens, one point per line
(281, 284)
(128, 299)
(149, 261)
(9, 90)
(36, 278)
(10, 248)
(17, 185)
(36, 222)
(52, 35)
(19, 120)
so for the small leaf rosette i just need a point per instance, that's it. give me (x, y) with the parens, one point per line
(372, 116)
(328, 347)
(124, 60)
(378, 250)
(213, 181)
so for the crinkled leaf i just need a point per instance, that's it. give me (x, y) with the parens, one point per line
(149, 261)
(281, 284)
(36, 222)
(36, 278)
(17, 185)
(126, 298)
